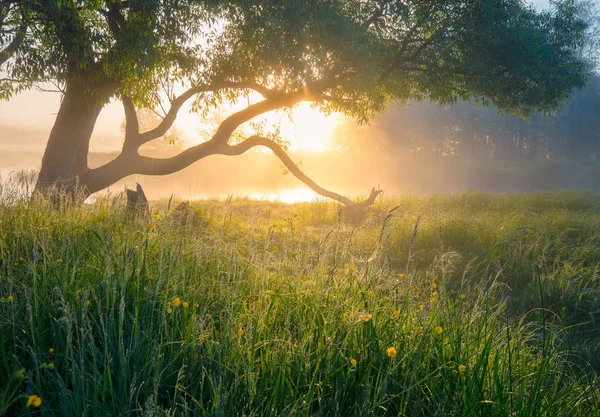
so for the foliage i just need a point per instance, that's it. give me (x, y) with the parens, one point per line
(363, 54)
(489, 301)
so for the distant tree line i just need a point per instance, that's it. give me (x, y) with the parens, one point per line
(476, 131)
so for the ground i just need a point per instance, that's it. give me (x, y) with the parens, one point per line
(471, 304)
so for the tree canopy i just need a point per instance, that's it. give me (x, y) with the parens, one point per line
(352, 56)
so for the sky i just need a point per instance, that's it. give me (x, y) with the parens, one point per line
(42, 107)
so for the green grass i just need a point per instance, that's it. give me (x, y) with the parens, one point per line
(272, 306)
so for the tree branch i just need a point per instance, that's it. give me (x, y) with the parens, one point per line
(255, 141)
(132, 124)
(14, 45)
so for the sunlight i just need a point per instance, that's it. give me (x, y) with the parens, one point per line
(287, 196)
(307, 130)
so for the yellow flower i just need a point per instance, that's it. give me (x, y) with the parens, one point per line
(391, 351)
(351, 268)
(59, 260)
(186, 304)
(371, 293)
(421, 307)
(156, 212)
(462, 296)
(435, 294)
(176, 301)
(396, 313)
(240, 332)
(34, 400)
(432, 301)
(434, 285)
(11, 298)
(462, 368)
(169, 311)
(51, 350)
(240, 249)
(150, 225)
(366, 317)
(400, 275)
(439, 330)
(275, 248)
(201, 337)
(172, 238)
(353, 362)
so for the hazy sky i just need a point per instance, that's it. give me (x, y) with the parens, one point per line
(41, 107)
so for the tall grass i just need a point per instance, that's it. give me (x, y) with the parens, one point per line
(251, 309)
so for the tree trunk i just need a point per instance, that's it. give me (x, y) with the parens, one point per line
(66, 155)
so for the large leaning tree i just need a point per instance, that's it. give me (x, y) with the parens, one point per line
(351, 56)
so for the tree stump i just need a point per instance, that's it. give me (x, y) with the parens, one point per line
(137, 204)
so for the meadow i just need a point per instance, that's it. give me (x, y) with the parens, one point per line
(472, 304)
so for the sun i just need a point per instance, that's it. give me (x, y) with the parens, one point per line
(308, 129)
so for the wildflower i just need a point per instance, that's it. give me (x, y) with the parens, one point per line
(275, 248)
(353, 362)
(391, 351)
(240, 249)
(201, 337)
(421, 307)
(434, 286)
(34, 400)
(439, 330)
(432, 301)
(462, 368)
(120, 225)
(11, 298)
(156, 212)
(150, 225)
(240, 332)
(400, 275)
(172, 238)
(462, 296)
(51, 350)
(169, 311)
(345, 315)
(371, 293)
(176, 301)
(59, 260)
(435, 294)
(396, 313)
(351, 268)
(186, 304)
(366, 317)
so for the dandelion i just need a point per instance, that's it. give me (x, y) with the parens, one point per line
(396, 312)
(240, 249)
(421, 307)
(240, 332)
(51, 350)
(432, 301)
(10, 298)
(186, 304)
(201, 337)
(434, 286)
(462, 296)
(371, 293)
(176, 301)
(439, 330)
(351, 268)
(353, 362)
(391, 352)
(400, 275)
(435, 294)
(34, 400)
(59, 260)
(366, 318)
(169, 311)
(150, 225)
(462, 368)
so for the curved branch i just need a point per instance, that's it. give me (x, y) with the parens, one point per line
(132, 124)
(255, 141)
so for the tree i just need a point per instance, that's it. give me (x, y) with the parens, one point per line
(353, 56)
